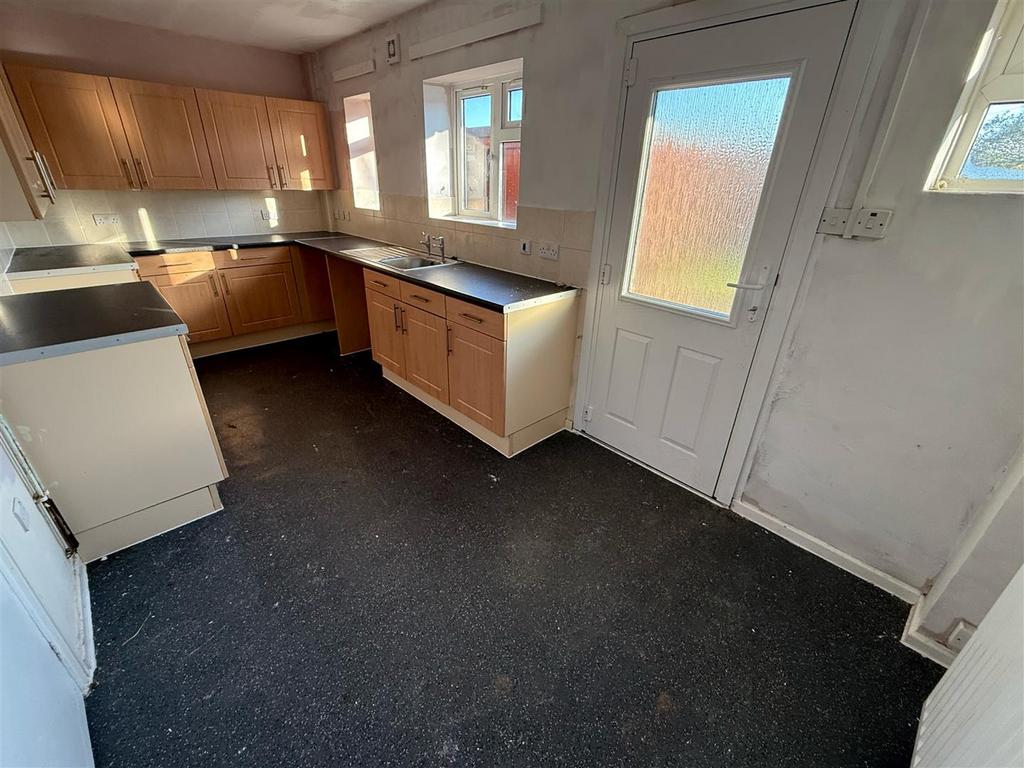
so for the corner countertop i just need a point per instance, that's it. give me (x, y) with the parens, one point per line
(44, 260)
(223, 243)
(486, 287)
(54, 323)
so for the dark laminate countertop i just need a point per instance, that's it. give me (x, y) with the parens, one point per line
(151, 247)
(49, 258)
(487, 287)
(53, 323)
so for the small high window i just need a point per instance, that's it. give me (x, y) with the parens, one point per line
(983, 150)
(362, 152)
(472, 121)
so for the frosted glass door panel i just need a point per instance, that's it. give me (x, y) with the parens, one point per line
(707, 155)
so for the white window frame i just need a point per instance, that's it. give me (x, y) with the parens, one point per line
(994, 78)
(502, 130)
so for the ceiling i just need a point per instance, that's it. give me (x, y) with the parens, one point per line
(284, 25)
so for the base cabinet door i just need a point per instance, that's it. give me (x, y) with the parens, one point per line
(386, 339)
(476, 377)
(426, 351)
(197, 299)
(260, 297)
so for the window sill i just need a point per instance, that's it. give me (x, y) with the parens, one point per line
(507, 225)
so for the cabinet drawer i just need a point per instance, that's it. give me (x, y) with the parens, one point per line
(174, 263)
(477, 318)
(247, 257)
(385, 284)
(427, 300)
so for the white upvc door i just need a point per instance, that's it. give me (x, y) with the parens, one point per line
(718, 132)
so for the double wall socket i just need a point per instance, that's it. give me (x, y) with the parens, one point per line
(99, 219)
(548, 251)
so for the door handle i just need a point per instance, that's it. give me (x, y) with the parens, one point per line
(398, 322)
(227, 288)
(451, 349)
(281, 176)
(143, 180)
(43, 168)
(473, 318)
(128, 173)
(405, 328)
(417, 297)
(747, 286)
(270, 175)
(213, 284)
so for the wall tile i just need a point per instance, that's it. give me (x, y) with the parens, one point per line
(241, 223)
(28, 233)
(191, 225)
(543, 224)
(6, 241)
(88, 202)
(64, 231)
(574, 265)
(217, 223)
(579, 230)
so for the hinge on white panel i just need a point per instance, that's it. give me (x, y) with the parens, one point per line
(606, 274)
(629, 76)
(588, 412)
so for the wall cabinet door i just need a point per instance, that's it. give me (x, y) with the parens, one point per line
(165, 134)
(238, 133)
(73, 120)
(426, 351)
(301, 143)
(385, 318)
(198, 300)
(260, 297)
(476, 377)
(24, 190)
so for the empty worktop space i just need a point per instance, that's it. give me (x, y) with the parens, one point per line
(381, 588)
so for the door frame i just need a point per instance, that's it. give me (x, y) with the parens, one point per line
(871, 32)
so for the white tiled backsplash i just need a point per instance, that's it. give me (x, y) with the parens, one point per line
(165, 216)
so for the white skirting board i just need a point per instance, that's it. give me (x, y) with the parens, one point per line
(826, 551)
(927, 646)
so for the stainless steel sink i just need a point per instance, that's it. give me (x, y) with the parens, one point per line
(410, 262)
(395, 257)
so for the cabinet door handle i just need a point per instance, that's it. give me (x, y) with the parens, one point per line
(270, 175)
(281, 176)
(227, 286)
(416, 296)
(213, 284)
(143, 180)
(405, 328)
(43, 169)
(474, 318)
(398, 322)
(128, 173)
(176, 264)
(380, 283)
(451, 348)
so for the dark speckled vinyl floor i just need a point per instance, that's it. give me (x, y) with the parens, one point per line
(383, 590)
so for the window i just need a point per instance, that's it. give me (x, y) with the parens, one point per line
(983, 150)
(362, 154)
(707, 153)
(472, 122)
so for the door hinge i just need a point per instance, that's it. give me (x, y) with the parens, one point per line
(629, 77)
(588, 412)
(606, 274)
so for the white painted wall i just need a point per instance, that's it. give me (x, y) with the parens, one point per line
(900, 398)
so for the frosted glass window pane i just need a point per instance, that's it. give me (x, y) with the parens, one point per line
(704, 169)
(998, 149)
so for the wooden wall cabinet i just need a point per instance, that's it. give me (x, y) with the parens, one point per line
(238, 134)
(26, 188)
(73, 120)
(301, 143)
(111, 133)
(165, 135)
(504, 377)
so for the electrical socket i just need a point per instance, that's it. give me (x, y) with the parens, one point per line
(99, 219)
(548, 251)
(524, 247)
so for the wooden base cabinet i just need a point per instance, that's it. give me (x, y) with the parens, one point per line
(260, 297)
(196, 297)
(503, 377)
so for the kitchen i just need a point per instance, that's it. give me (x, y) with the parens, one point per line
(312, 316)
